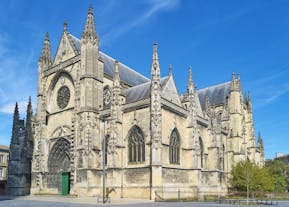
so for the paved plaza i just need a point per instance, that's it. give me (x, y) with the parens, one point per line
(59, 201)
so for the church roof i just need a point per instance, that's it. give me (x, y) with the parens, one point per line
(127, 75)
(217, 94)
(141, 91)
(3, 147)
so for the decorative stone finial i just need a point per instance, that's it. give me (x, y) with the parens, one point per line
(190, 86)
(234, 84)
(170, 70)
(155, 70)
(155, 52)
(89, 29)
(116, 77)
(29, 106)
(45, 57)
(65, 26)
(16, 113)
(90, 9)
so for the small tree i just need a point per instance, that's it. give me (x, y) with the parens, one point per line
(250, 178)
(280, 172)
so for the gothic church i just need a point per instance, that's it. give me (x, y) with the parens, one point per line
(156, 141)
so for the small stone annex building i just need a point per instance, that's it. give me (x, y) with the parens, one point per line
(158, 142)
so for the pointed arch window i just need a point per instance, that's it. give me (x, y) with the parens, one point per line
(106, 148)
(136, 145)
(174, 147)
(201, 151)
(223, 158)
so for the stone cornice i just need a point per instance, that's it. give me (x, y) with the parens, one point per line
(94, 77)
(202, 121)
(136, 105)
(179, 168)
(170, 106)
(55, 68)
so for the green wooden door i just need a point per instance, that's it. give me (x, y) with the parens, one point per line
(65, 183)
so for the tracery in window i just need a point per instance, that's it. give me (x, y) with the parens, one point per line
(136, 145)
(174, 147)
(201, 151)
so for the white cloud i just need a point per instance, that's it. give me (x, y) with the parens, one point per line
(9, 108)
(155, 7)
(277, 94)
(17, 81)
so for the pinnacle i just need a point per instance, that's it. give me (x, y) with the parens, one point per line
(116, 71)
(90, 10)
(89, 29)
(190, 81)
(46, 53)
(116, 65)
(155, 69)
(233, 76)
(155, 51)
(29, 106)
(16, 108)
(170, 69)
(190, 76)
(16, 112)
(46, 37)
(65, 26)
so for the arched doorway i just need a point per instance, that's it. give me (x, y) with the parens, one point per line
(59, 166)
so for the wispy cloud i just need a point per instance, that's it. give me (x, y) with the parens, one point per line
(271, 86)
(155, 7)
(17, 81)
(9, 107)
(277, 94)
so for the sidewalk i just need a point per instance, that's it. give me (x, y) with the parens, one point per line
(81, 200)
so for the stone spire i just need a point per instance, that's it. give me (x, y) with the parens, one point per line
(28, 144)
(29, 107)
(89, 32)
(65, 26)
(14, 138)
(16, 126)
(116, 119)
(28, 128)
(116, 78)
(233, 83)
(260, 141)
(190, 87)
(155, 104)
(155, 69)
(45, 58)
(156, 123)
(170, 70)
(249, 103)
(192, 99)
(16, 113)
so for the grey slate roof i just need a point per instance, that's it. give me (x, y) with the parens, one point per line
(217, 94)
(127, 75)
(141, 91)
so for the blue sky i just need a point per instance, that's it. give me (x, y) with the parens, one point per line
(250, 37)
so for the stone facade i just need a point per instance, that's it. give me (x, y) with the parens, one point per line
(4, 158)
(21, 151)
(157, 141)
